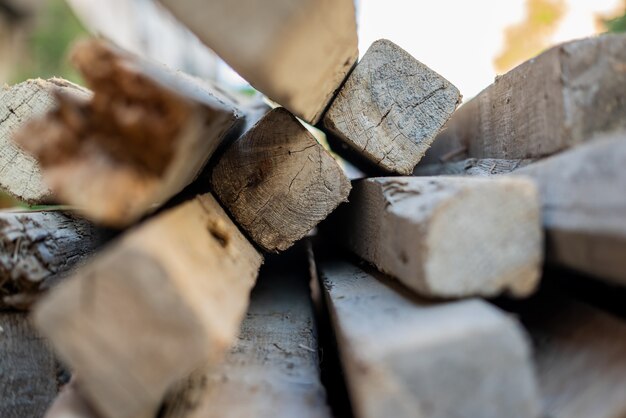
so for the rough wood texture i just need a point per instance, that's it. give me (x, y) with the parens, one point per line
(165, 299)
(36, 249)
(559, 99)
(20, 175)
(448, 236)
(144, 136)
(391, 107)
(28, 369)
(405, 357)
(583, 196)
(297, 53)
(273, 367)
(580, 359)
(471, 167)
(278, 182)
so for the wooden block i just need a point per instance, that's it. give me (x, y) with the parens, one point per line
(481, 167)
(580, 358)
(404, 357)
(391, 107)
(583, 197)
(37, 249)
(28, 369)
(448, 236)
(274, 366)
(20, 175)
(145, 135)
(297, 53)
(561, 98)
(278, 182)
(165, 299)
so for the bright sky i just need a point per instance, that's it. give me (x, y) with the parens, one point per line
(460, 38)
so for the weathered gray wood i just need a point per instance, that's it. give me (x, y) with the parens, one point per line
(274, 366)
(405, 357)
(160, 302)
(20, 175)
(391, 108)
(297, 53)
(561, 98)
(448, 236)
(278, 182)
(38, 248)
(471, 167)
(580, 359)
(144, 136)
(28, 369)
(583, 195)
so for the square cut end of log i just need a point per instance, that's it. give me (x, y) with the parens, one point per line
(450, 237)
(278, 182)
(391, 107)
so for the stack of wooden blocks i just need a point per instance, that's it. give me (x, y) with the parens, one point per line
(175, 190)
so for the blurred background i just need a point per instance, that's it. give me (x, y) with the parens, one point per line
(468, 42)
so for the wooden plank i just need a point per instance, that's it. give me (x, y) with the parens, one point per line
(297, 53)
(278, 182)
(448, 236)
(28, 369)
(274, 366)
(37, 249)
(583, 195)
(391, 108)
(20, 175)
(580, 358)
(144, 136)
(482, 167)
(405, 357)
(160, 302)
(557, 100)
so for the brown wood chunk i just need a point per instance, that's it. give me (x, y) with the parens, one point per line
(297, 53)
(391, 108)
(165, 299)
(278, 182)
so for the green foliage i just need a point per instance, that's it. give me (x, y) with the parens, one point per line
(616, 25)
(55, 30)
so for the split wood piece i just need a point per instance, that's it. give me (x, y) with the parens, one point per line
(37, 249)
(405, 357)
(583, 195)
(274, 366)
(144, 136)
(448, 236)
(471, 167)
(28, 369)
(557, 100)
(162, 301)
(70, 403)
(278, 182)
(297, 53)
(580, 359)
(20, 175)
(391, 108)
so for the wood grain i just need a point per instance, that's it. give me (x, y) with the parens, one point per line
(583, 195)
(448, 236)
(20, 174)
(404, 357)
(391, 107)
(482, 167)
(28, 369)
(145, 135)
(274, 365)
(278, 182)
(37, 249)
(160, 302)
(559, 99)
(297, 53)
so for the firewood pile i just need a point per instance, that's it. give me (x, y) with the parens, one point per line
(210, 255)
